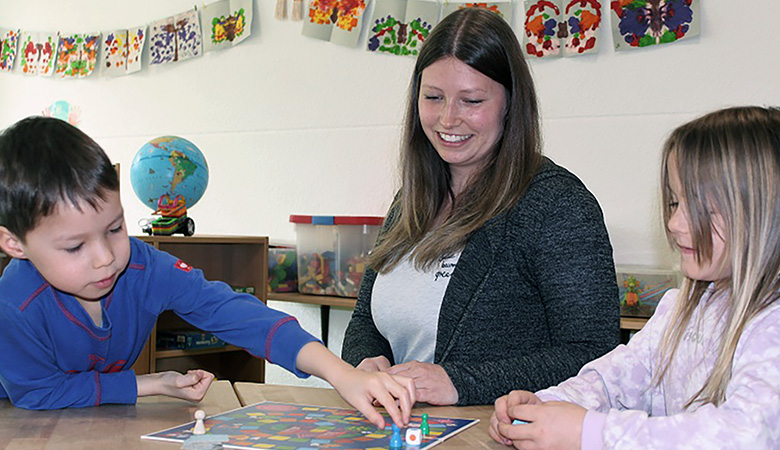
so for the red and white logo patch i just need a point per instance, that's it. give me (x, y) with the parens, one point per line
(181, 265)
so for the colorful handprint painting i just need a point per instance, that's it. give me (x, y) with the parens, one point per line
(37, 53)
(541, 28)
(580, 27)
(401, 27)
(225, 23)
(76, 55)
(337, 21)
(175, 38)
(9, 42)
(122, 51)
(642, 23)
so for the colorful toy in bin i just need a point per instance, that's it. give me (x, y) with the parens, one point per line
(332, 252)
(282, 269)
(641, 289)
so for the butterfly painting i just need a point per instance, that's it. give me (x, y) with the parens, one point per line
(641, 23)
(582, 19)
(541, 26)
(337, 21)
(400, 28)
(9, 41)
(76, 55)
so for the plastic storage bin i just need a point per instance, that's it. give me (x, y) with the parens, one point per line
(332, 251)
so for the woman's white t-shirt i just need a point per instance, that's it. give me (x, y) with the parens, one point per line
(405, 306)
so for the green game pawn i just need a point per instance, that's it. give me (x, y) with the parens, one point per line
(424, 428)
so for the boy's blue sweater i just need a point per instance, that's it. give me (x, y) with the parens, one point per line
(53, 356)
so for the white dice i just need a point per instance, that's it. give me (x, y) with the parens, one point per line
(413, 437)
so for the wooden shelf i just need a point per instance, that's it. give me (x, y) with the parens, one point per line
(311, 299)
(175, 353)
(632, 323)
(240, 261)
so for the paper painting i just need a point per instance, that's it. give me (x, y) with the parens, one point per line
(175, 38)
(76, 55)
(503, 9)
(582, 20)
(540, 28)
(37, 53)
(225, 23)
(641, 23)
(9, 42)
(122, 51)
(337, 21)
(400, 27)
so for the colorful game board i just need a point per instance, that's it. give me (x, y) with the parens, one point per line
(272, 425)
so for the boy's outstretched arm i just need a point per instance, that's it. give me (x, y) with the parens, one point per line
(191, 386)
(358, 387)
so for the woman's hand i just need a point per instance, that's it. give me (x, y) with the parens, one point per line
(431, 382)
(191, 386)
(375, 364)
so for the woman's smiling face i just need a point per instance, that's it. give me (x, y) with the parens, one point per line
(462, 114)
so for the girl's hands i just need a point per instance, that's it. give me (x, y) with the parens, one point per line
(551, 425)
(191, 386)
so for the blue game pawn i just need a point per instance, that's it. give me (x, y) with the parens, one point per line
(395, 438)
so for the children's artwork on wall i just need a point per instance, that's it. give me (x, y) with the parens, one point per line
(175, 38)
(76, 55)
(503, 9)
(400, 27)
(225, 23)
(541, 26)
(9, 42)
(122, 51)
(337, 21)
(37, 53)
(581, 24)
(641, 23)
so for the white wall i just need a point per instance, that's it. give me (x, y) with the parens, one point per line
(290, 124)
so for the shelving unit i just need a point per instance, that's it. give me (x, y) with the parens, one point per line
(627, 324)
(240, 261)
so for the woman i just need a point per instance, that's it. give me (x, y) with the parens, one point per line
(493, 269)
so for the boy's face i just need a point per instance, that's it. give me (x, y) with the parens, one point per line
(80, 252)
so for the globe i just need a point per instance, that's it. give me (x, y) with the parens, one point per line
(169, 165)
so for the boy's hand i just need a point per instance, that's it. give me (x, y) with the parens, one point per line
(552, 425)
(501, 412)
(358, 387)
(433, 384)
(191, 386)
(375, 364)
(364, 389)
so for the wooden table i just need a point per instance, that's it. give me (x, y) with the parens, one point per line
(475, 437)
(108, 426)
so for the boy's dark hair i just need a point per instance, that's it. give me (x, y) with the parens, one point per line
(44, 161)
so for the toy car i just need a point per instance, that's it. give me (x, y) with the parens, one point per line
(173, 218)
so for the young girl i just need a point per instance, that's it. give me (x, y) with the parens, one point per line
(704, 372)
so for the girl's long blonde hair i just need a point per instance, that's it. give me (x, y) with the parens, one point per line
(728, 162)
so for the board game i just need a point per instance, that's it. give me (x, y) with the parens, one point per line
(287, 426)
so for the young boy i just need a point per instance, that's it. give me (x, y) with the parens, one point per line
(80, 298)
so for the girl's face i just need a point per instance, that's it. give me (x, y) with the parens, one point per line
(462, 113)
(719, 266)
